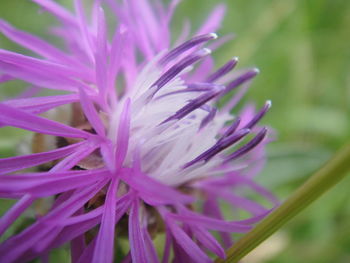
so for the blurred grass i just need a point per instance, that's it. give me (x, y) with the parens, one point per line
(302, 49)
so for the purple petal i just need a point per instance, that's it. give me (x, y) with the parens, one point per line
(87, 255)
(57, 11)
(46, 184)
(185, 31)
(42, 79)
(235, 179)
(180, 255)
(104, 248)
(153, 192)
(25, 161)
(20, 119)
(151, 251)
(186, 243)
(13, 248)
(84, 30)
(5, 78)
(101, 55)
(130, 68)
(255, 219)
(79, 219)
(50, 68)
(14, 212)
(73, 159)
(91, 113)
(167, 246)
(211, 208)
(28, 92)
(74, 231)
(78, 225)
(123, 135)
(214, 21)
(45, 241)
(211, 223)
(136, 238)
(38, 46)
(238, 201)
(41, 104)
(133, 19)
(208, 241)
(22, 253)
(77, 245)
(118, 45)
(108, 154)
(148, 22)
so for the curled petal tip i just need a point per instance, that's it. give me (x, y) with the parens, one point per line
(268, 103)
(235, 59)
(206, 51)
(214, 35)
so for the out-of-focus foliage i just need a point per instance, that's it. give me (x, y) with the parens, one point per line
(303, 51)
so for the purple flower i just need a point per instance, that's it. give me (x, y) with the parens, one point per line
(141, 150)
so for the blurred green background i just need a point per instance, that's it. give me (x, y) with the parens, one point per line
(303, 51)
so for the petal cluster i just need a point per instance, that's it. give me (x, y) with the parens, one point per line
(138, 147)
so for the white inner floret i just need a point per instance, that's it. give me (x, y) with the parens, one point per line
(166, 148)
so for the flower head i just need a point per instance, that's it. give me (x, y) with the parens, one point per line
(141, 150)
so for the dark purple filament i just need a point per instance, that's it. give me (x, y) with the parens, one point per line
(223, 70)
(219, 146)
(248, 147)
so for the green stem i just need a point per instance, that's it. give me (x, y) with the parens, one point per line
(325, 178)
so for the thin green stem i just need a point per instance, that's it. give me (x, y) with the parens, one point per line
(325, 178)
